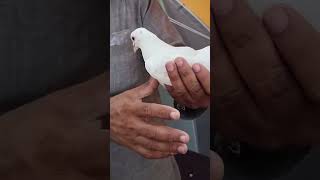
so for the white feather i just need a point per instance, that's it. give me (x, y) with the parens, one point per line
(156, 54)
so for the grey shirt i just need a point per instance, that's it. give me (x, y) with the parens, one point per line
(127, 71)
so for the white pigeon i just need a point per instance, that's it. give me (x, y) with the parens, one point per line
(156, 54)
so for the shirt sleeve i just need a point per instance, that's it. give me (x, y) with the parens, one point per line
(155, 20)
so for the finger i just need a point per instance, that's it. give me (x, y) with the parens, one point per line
(217, 166)
(189, 79)
(230, 95)
(148, 154)
(169, 147)
(298, 42)
(254, 55)
(178, 90)
(145, 89)
(153, 110)
(203, 76)
(162, 133)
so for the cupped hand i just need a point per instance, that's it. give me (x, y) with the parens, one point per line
(190, 85)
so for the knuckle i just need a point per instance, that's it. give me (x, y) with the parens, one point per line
(241, 39)
(146, 119)
(174, 76)
(180, 93)
(142, 131)
(148, 155)
(230, 97)
(163, 113)
(129, 94)
(154, 134)
(185, 73)
(174, 79)
(196, 89)
(147, 111)
(135, 143)
(172, 147)
(127, 108)
(129, 125)
(169, 137)
(276, 86)
(151, 145)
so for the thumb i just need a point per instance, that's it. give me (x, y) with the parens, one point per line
(146, 89)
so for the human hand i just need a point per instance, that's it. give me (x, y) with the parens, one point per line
(266, 75)
(216, 166)
(190, 85)
(131, 124)
(59, 131)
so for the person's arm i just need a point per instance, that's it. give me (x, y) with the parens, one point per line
(157, 21)
(58, 136)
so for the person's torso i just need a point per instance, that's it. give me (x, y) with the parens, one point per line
(126, 67)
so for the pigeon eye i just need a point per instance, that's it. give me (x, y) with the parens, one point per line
(132, 38)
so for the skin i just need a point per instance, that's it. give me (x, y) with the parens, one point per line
(200, 77)
(267, 74)
(190, 85)
(217, 167)
(132, 126)
(58, 136)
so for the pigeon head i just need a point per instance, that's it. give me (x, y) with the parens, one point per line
(140, 36)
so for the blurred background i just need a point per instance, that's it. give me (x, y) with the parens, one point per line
(293, 165)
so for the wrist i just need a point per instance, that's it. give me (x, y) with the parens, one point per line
(188, 113)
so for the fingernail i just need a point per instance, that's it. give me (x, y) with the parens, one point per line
(276, 20)
(179, 62)
(196, 68)
(223, 7)
(175, 115)
(182, 149)
(169, 66)
(184, 139)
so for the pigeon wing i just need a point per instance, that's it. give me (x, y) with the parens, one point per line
(155, 66)
(203, 57)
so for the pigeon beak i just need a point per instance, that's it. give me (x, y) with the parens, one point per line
(135, 49)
